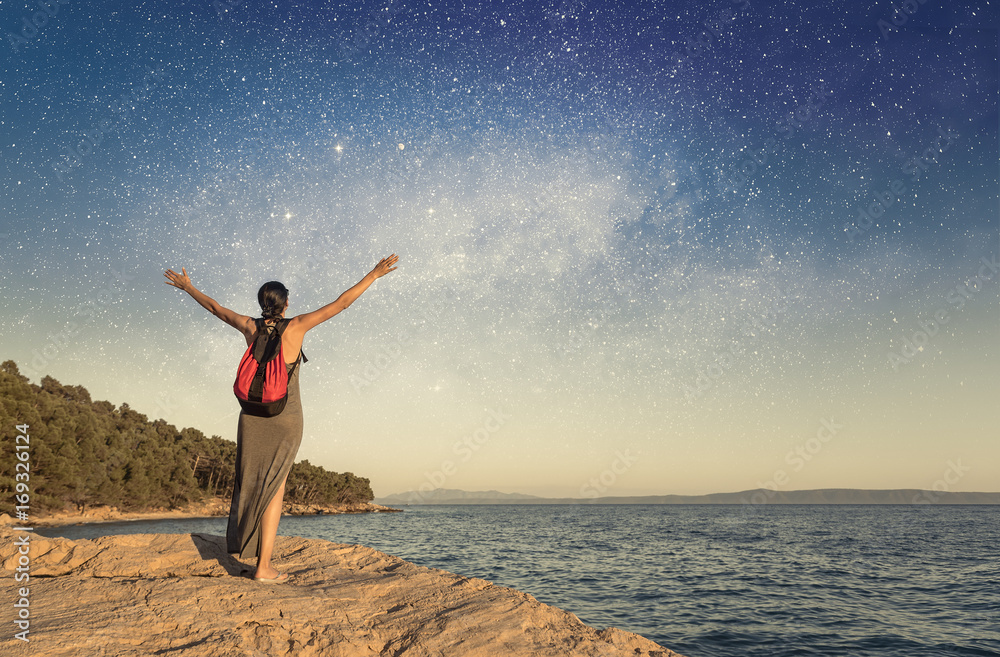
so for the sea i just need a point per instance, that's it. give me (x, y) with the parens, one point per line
(707, 580)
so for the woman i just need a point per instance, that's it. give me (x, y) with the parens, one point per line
(266, 446)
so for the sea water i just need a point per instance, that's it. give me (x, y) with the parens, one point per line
(708, 580)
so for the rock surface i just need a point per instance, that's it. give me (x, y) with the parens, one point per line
(166, 594)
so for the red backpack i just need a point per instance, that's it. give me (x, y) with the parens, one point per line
(261, 379)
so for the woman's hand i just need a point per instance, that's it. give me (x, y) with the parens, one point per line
(305, 322)
(385, 265)
(182, 281)
(177, 280)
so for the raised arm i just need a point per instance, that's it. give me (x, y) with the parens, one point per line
(302, 323)
(241, 323)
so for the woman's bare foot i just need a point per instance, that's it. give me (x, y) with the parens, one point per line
(269, 572)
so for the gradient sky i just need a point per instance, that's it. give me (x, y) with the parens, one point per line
(599, 290)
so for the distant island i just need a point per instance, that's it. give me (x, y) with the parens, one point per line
(755, 497)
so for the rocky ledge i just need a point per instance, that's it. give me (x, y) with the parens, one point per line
(165, 594)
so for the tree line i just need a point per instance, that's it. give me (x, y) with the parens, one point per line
(86, 453)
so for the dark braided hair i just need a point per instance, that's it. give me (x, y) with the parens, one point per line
(272, 297)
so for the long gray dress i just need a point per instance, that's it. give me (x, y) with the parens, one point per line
(265, 451)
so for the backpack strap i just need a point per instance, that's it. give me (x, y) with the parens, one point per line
(261, 353)
(280, 326)
(292, 371)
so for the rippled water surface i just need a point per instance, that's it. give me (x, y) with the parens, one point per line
(710, 581)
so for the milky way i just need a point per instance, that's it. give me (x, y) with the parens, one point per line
(692, 231)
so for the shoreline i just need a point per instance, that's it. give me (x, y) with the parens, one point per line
(214, 508)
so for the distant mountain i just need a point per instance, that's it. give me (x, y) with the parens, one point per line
(758, 496)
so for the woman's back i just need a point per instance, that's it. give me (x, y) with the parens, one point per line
(291, 341)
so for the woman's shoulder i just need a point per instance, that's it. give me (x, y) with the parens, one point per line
(294, 324)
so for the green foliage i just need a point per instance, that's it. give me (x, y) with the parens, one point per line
(87, 453)
(311, 484)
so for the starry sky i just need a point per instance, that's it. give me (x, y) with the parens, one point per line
(645, 247)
